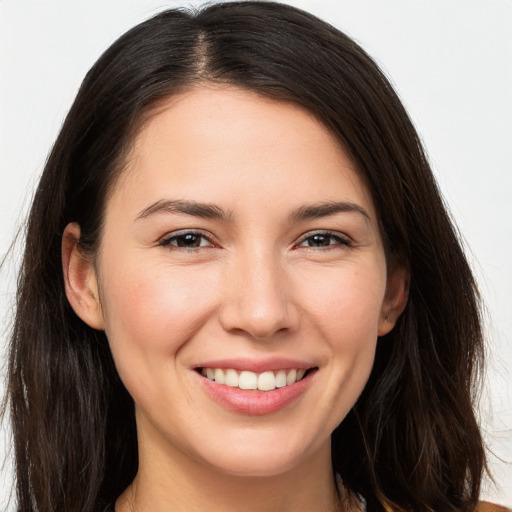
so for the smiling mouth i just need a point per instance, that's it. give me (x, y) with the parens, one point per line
(247, 380)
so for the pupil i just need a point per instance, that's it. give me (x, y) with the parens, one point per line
(320, 240)
(189, 240)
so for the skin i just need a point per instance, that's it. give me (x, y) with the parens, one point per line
(257, 286)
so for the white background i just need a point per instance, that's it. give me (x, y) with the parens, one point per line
(451, 61)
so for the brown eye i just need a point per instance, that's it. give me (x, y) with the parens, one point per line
(186, 240)
(322, 240)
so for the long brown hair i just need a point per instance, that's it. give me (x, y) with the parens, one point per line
(412, 439)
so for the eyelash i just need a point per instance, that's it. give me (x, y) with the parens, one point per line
(330, 235)
(168, 240)
(339, 239)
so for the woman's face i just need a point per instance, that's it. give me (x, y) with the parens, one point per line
(240, 245)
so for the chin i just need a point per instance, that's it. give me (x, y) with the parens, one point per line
(262, 459)
(258, 466)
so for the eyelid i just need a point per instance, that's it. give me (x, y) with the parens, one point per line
(344, 239)
(166, 240)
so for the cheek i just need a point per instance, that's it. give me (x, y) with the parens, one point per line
(153, 311)
(341, 311)
(346, 304)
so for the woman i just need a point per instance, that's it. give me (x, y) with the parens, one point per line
(240, 288)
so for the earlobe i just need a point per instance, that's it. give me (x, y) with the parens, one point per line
(397, 293)
(80, 278)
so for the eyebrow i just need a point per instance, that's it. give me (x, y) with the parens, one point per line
(212, 211)
(203, 210)
(316, 211)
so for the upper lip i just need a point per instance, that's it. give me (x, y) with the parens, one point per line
(256, 365)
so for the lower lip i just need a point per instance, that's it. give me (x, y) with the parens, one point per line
(254, 402)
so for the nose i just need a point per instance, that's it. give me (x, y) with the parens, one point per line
(258, 298)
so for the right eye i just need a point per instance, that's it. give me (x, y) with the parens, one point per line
(191, 240)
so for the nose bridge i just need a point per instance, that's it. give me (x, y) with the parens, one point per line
(257, 300)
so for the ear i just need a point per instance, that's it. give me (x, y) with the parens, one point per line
(395, 300)
(80, 278)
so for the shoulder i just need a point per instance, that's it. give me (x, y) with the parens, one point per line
(485, 506)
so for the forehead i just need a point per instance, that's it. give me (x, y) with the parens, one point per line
(229, 144)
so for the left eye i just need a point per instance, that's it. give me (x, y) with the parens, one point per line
(186, 240)
(322, 240)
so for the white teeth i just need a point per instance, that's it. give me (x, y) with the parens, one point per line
(281, 379)
(265, 381)
(231, 378)
(219, 376)
(291, 377)
(248, 380)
